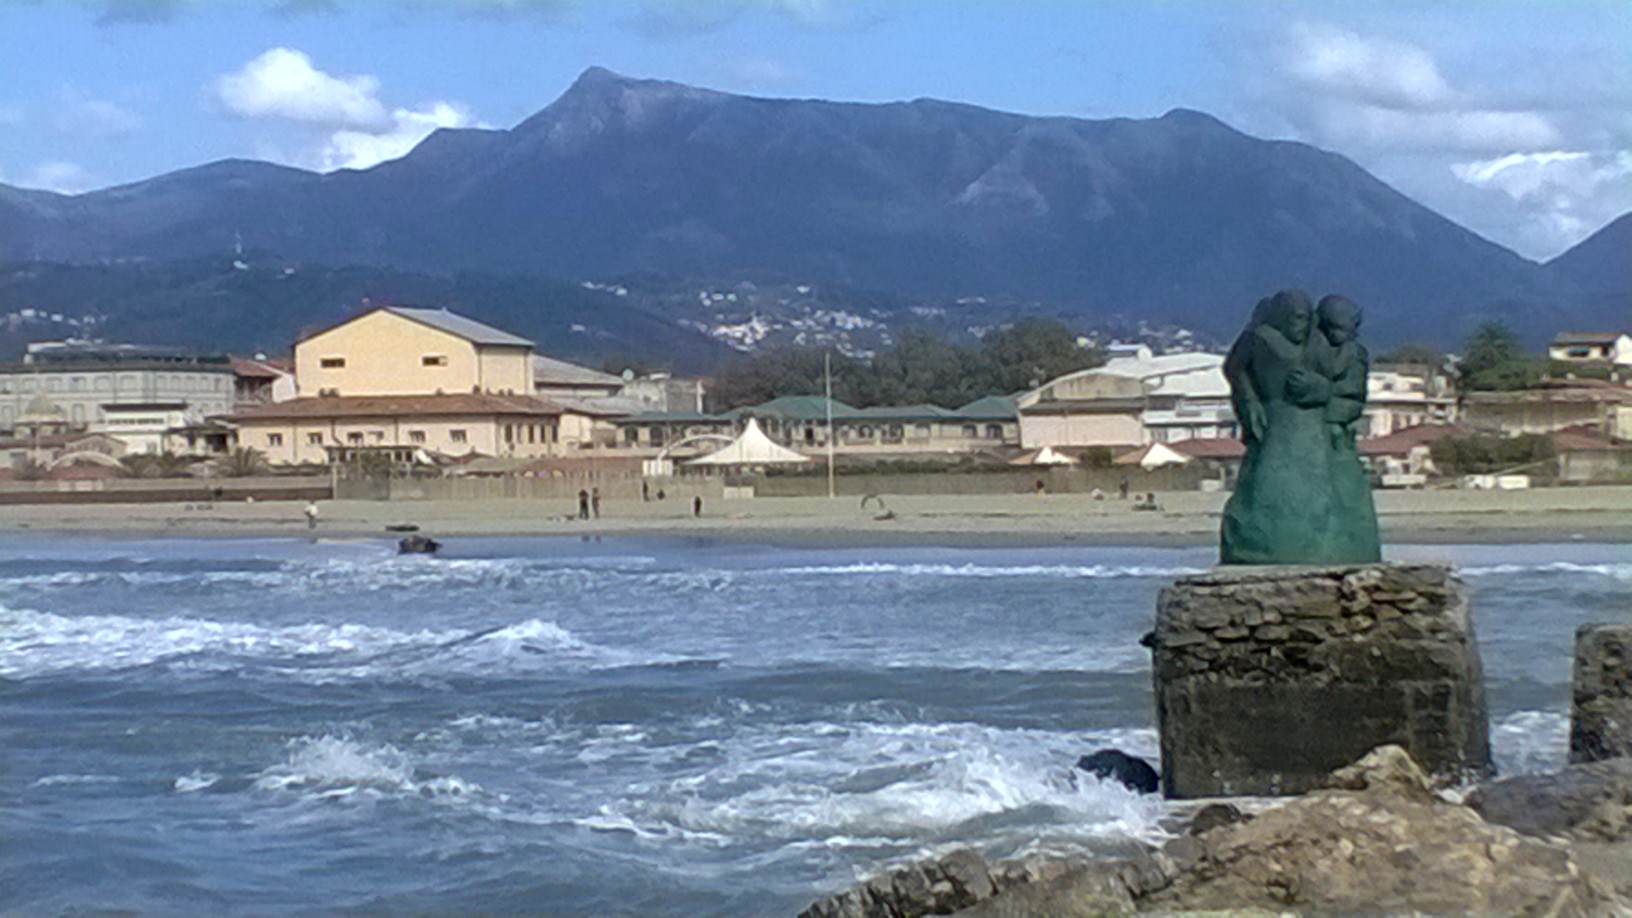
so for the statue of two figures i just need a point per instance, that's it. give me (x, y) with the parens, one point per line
(1297, 379)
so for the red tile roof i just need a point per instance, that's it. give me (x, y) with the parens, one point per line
(1210, 448)
(1404, 440)
(388, 406)
(1584, 437)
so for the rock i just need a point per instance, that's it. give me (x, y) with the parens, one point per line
(1130, 771)
(1084, 892)
(1385, 849)
(1590, 800)
(1216, 815)
(418, 545)
(938, 887)
(1347, 658)
(1601, 693)
(1387, 769)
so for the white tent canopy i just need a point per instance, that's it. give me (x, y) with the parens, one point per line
(1048, 455)
(1153, 456)
(752, 447)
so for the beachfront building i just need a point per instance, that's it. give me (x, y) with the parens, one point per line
(801, 422)
(1131, 401)
(399, 351)
(1600, 405)
(1614, 348)
(554, 378)
(1403, 395)
(411, 385)
(258, 380)
(83, 381)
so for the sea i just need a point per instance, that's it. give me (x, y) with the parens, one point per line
(624, 726)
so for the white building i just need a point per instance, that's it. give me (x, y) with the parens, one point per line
(1133, 400)
(1404, 395)
(83, 380)
(1592, 347)
(144, 427)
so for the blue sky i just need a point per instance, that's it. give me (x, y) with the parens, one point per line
(1513, 118)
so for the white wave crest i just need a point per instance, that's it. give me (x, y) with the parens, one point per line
(1059, 571)
(1616, 571)
(42, 643)
(1530, 742)
(197, 781)
(340, 766)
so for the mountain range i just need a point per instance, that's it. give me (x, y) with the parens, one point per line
(1181, 218)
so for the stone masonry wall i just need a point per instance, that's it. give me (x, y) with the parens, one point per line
(1268, 678)
(1601, 693)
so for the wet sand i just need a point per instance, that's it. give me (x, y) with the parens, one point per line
(1595, 514)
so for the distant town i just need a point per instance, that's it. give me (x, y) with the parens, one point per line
(411, 392)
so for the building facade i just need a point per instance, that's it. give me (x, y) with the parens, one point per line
(1131, 401)
(84, 380)
(1592, 347)
(400, 351)
(1405, 395)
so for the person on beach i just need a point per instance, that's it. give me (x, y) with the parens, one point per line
(595, 502)
(311, 514)
(697, 505)
(583, 504)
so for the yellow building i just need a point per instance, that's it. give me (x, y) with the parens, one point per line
(405, 382)
(396, 351)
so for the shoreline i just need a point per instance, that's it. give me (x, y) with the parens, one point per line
(1187, 519)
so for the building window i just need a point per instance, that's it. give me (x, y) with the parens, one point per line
(332, 363)
(314, 439)
(416, 436)
(327, 393)
(631, 435)
(274, 440)
(433, 360)
(971, 431)
(378, 436)
(457, 436)
(994, 431)
(355, 438)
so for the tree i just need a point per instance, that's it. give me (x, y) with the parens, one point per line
(243, 462)
(1033, 351)
(1413, 353)
(1494, 358)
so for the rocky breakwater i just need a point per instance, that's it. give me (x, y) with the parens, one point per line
(1375, 839)
(1268, 678)
(1601, 693)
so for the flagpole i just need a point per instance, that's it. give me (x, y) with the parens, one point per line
(827, 374)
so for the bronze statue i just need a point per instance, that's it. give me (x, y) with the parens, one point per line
(1298, 383)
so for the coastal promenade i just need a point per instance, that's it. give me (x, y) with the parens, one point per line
(1594, 514)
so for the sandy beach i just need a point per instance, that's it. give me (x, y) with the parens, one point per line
(1596, 514)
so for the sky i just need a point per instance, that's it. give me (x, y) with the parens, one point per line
(1514, 119)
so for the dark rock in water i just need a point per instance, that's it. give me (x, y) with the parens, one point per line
(1601, 693)
(1586, 801)
(1132, 772)
(418, 545)
(1215, 815)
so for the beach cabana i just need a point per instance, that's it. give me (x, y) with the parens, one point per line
(1048, 455)
(1154, 456)
(751, 447)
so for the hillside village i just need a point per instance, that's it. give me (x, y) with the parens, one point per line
(417, 392)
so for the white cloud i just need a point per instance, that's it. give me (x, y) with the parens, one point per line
(59, 176)
(361, 149)
(1373, 71)
(83, 116)
(282, 83)
(1566, 194)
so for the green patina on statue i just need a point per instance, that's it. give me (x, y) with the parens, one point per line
(1298, 384)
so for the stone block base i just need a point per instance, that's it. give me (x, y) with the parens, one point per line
(1269, 678)
(1601, 693)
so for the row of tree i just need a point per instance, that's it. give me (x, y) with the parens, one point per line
(923, 366)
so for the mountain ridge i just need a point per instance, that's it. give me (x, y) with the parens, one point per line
(1182, 216)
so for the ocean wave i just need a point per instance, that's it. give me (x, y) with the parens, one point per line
(797, 784)
(1530, 742)
(333, 767)
(59, 780)
(1617, 571)
(1058, 571)
(35, 644)
(197, 781)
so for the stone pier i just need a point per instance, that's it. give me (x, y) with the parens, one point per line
(1601, 693)
(1269, 678)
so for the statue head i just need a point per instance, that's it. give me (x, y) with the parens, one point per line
(1290, 312)
(1339, 318)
